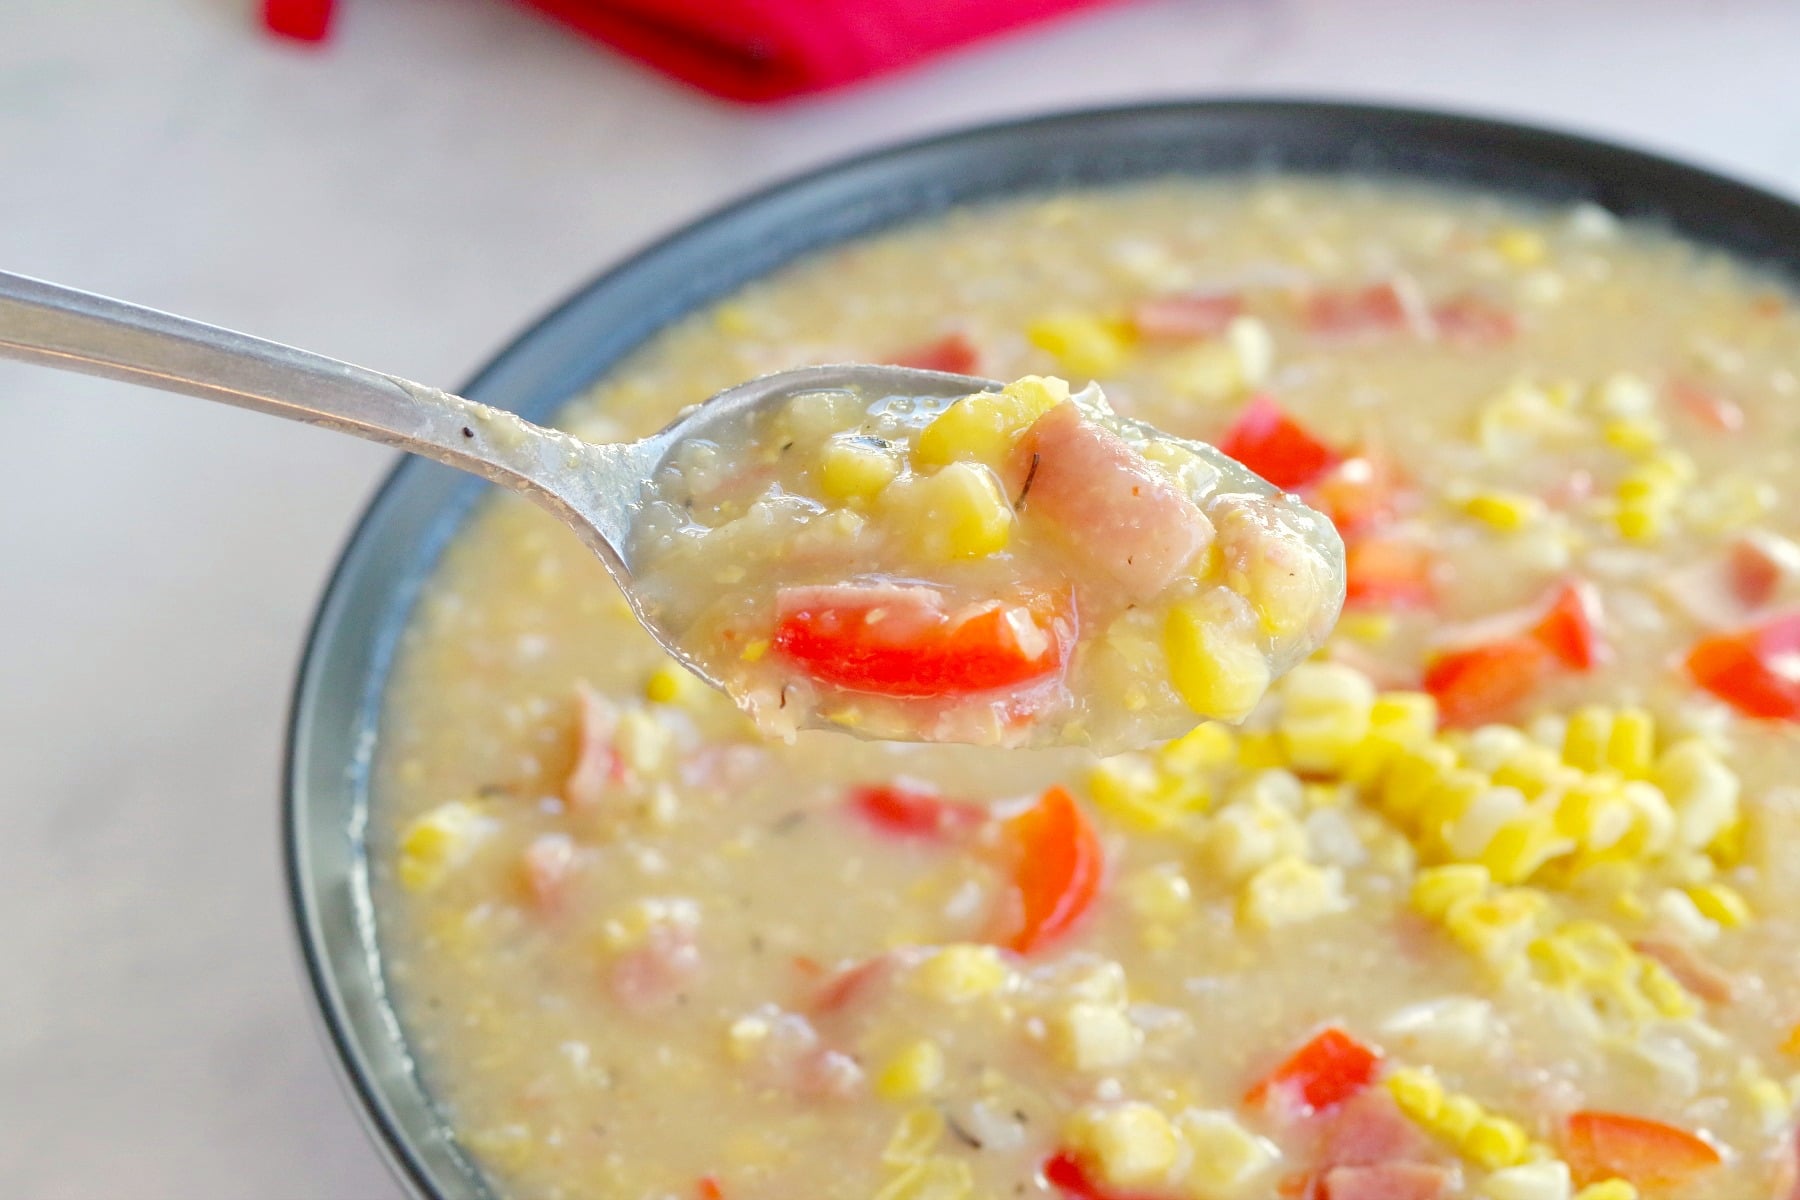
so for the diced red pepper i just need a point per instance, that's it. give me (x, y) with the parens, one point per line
(1065, 1172)
(900, 641)
(1755, 670)
(1183, 317)
(1647, 1153)
(1359, 494)
(1570, 626)
(1477, 684)
(904, 811)
(1275, 446)
(1057, 868)
(1474, 323)
(302, 20)
(1378, 308)
(953, 352)
(707, 1188)
(849, 985)
(1707, 407)
(1325, 1072)
(1388, 573)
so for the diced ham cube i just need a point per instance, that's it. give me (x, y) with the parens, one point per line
(598, 766)
(1386, 1181)
(1107, 503)
(1759, 564)
(953, 353)
(1473, 323)
(1367, 1129)
(547, 866)
(1379, 308)
(1183, 317)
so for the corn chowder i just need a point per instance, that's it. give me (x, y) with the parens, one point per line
(1013, 567)
(1497, 896)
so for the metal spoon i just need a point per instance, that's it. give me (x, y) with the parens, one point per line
(592, 488)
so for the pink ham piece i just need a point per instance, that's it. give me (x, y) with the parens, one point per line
(1186, 317)
(1690, 970)
(1386, 1181)
(548, 864)
(598, 766)
(1107, 503)
(1369, 1128)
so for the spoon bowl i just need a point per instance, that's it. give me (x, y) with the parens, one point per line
(594, 488)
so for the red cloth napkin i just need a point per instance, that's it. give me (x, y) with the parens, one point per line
(764, 49)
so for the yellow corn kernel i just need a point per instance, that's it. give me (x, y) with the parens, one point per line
(1702, 790)
(1508, 512)
(959, 512)
(1223, 1156)
(1544, 1179)
(1216, 666)
(1325, 713)
(1663, 992)
(1127, 1145)
(1418, 1093)
(1595, 813)
(1201, 748)
(1766, 1097)
(1369, 628)
(1630, 747)
(1455, 793)
(1456, 1118)
(1586, 737)
(1246, 836)
(1608, 1189)
(1159, 893)
(1722, 903)
(1521, 247)
(735, 319)
(1129, 788)
(1497, 927)
(1412, 777)
(436, 842)
(1291, 890)
(1094, 1037)
(1634, 435)
(754, 651)
(931, 1179)
(918, 1131)
(1258, 751)
(1534, 769)
(672, 684)
(1640, 522)
(1496, 1142)
(962, 971)
(1087, 347)
(983, 427)
(1521, 846)
(853, 468)
(916, 1069)
(1404, 718)
(1437, 888)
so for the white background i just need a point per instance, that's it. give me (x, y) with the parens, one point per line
(408, 197)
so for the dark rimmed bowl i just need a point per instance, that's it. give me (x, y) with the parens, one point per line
(396, 544)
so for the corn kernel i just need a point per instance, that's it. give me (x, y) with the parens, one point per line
(1200, 748)
(1722, 903)
(1247, 836)
(1507, 512)
(1702, 790)
(436, 842)
(754, 651)
(918, 1131)
(931, 1179)
(1496, 1142)
(1127, 1145)
(1497, 927)
(1437, 888)
(1254, 346)
(1216, 667)
(735, 319)
(1521, 247)
(856, 468)
(916, 1069)
(1547, 1180)
(1631, 743)
(957, 513)
(1223, 1156)
(1634, 435)
(962, 971)
(672, 684)
(1258, 751)
(1291, 890)
(1325, 713)
(1094, 1037)
(983, 427)
(1418, 1093)
(1521, 846)
(1456, 1118)
(1596, 814)
(1412, 777)
(747, 1036)
(1085, 346)
(1638, 521)
(1369, 628)
(1608, 1189)
(1586, 737)
(1625, 395)
(1159, 893)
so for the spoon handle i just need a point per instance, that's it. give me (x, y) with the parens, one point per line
(60, 327)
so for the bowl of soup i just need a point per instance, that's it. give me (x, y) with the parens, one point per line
(1497, 895)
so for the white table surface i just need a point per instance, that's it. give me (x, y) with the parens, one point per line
(408, 197)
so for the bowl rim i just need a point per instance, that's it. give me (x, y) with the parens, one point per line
(1749, 221)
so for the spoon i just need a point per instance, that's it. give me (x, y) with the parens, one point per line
(592, 488)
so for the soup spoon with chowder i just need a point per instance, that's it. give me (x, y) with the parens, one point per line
(910, 555)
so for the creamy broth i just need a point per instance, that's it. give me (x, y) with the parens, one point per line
(1502, 887)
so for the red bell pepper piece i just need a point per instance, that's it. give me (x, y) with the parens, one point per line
(1275, 446)
(904, 811)
(302, 20)
(1755, 670)
(849, 985)
(1570, 626)
(1325, 1072)
(1477, 684)
(953, 352)
(707, 1188)
(1647, 1153)
(1388, 573)
(1065, 1172)
(1057, 868)
(900, 641)
(1359, 494)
